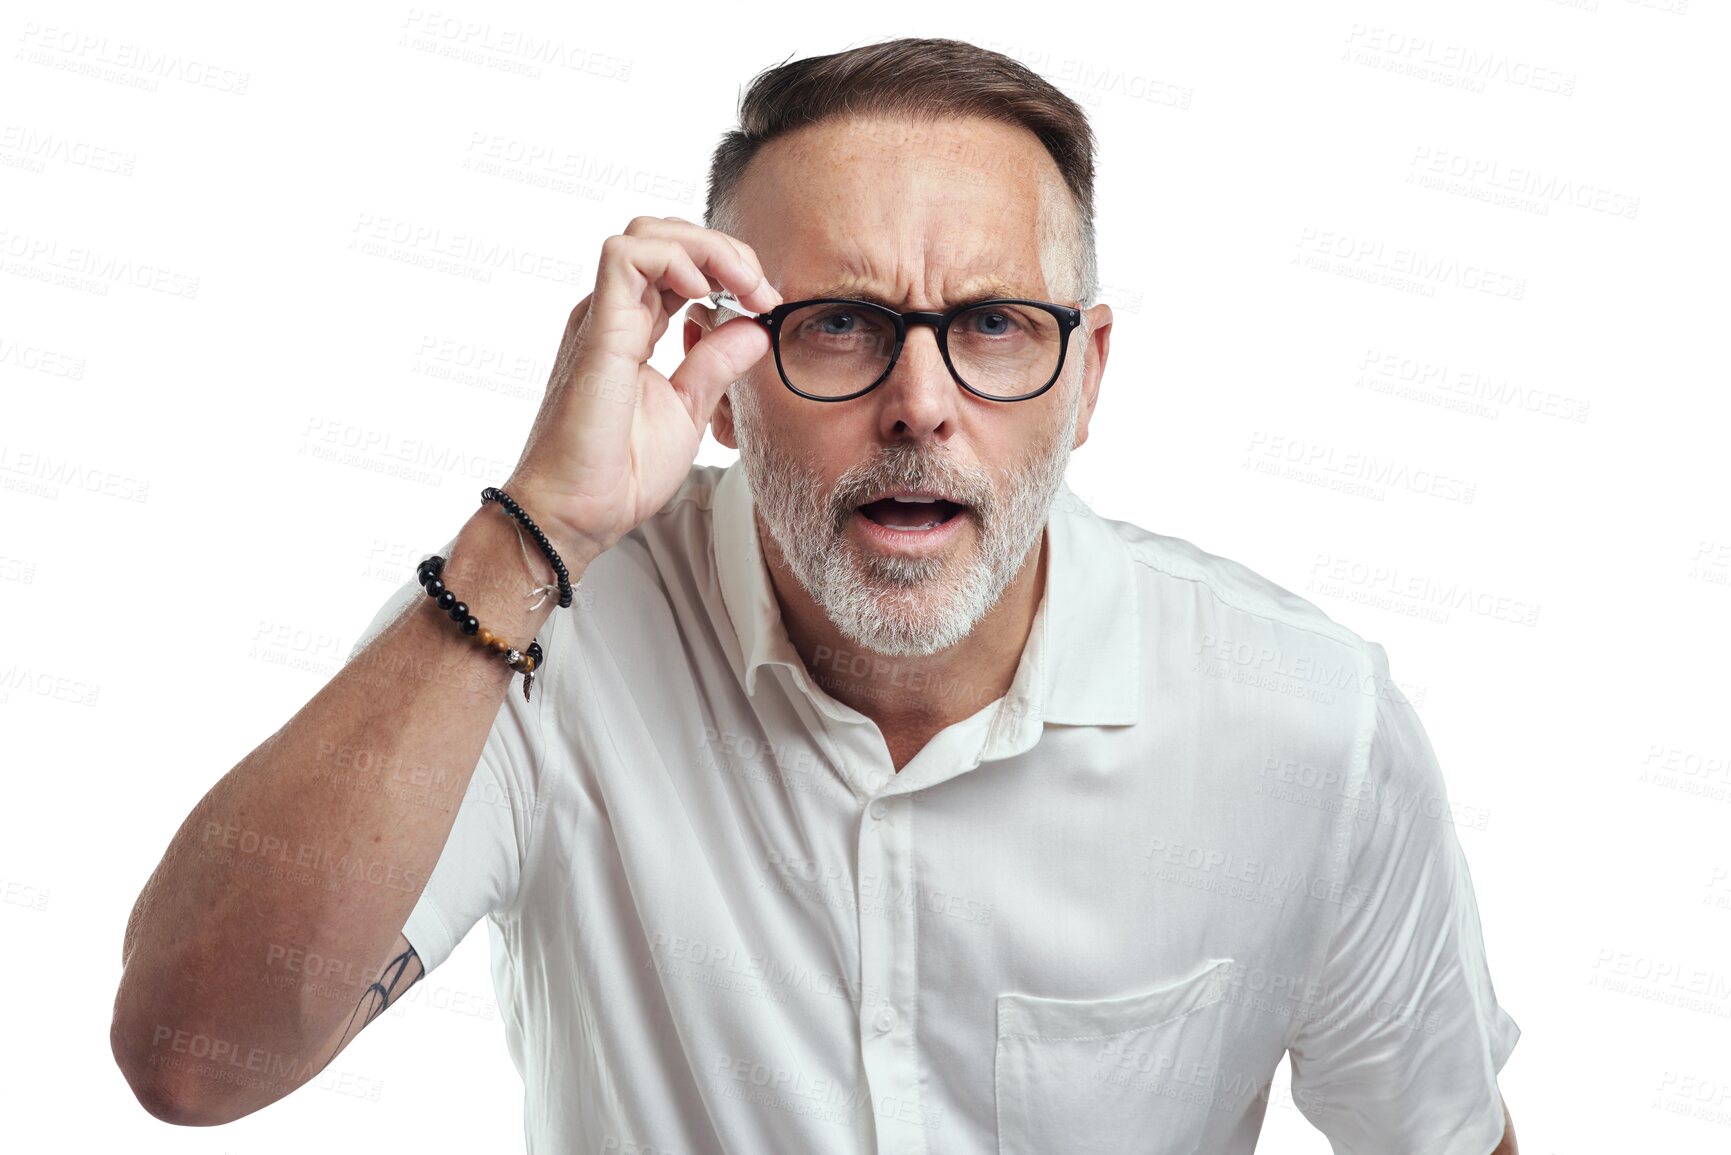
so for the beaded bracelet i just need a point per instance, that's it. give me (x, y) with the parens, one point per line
(524, 662)
(493, 493)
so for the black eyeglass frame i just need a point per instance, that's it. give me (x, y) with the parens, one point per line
(1068, 320)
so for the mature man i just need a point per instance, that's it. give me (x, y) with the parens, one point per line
(878, 795)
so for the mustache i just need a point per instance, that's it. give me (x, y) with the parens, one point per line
(907, 473)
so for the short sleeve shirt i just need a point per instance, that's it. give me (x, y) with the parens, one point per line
(1202, 829)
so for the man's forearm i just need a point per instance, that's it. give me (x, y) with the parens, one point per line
(1507, 1146)
(316, 845)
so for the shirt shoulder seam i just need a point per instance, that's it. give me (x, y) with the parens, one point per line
(1332, 631)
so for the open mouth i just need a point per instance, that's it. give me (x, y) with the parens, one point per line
(910, 515)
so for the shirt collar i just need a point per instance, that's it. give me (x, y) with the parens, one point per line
(1082, 663)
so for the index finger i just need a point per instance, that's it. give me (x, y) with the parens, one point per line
(728, 262)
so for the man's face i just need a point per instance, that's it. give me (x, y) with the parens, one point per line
(915, 217)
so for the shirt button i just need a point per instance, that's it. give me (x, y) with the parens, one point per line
(879, 809)
(886, 1020)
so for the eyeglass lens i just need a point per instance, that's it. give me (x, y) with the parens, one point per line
(835, 349)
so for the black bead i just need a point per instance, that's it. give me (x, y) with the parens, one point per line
(435, 588)
(447, 600)
(470, 625)
(459, 611)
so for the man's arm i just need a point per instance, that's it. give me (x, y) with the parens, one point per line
(1507, 1146)
(286, 881)
(1406, 1055)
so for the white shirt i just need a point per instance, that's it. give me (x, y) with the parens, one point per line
(1202, 828)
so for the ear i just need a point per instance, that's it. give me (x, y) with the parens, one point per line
(721, 421)
(1099, 345)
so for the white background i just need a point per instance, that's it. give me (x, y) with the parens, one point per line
(229, 427)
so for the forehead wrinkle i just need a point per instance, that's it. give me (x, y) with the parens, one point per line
(859, 276)
(868, 288)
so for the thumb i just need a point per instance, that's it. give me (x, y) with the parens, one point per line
(721, 357)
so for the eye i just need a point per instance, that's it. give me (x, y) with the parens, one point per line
(991, 323)
(834, 324)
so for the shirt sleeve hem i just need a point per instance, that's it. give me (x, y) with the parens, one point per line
(1479, 1137)
(429, 933)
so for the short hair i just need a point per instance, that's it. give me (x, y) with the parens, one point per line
(924, 80)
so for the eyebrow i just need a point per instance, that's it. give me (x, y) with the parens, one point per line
(979, 289)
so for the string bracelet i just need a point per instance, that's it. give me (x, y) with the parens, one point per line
(546, 590)
(493, 493)
(524, 662)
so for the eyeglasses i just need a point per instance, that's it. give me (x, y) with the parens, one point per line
(839, 348)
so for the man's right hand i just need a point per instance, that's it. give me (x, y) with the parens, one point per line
(614, 439)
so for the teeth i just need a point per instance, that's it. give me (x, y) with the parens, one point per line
(915, 500)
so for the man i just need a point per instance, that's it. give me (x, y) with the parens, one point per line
(880, 796)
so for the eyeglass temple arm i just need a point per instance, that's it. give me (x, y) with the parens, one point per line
(722, 298)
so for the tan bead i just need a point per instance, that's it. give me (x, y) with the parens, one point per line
(484, 636)
(501, 645)
(528, 664)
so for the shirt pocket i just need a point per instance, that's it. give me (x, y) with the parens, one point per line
(1133, 1073)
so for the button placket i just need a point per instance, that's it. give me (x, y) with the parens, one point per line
(888, 931)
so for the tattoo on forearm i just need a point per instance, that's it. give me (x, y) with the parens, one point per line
(383, 989)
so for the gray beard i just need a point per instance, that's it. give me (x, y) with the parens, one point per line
(899, 606)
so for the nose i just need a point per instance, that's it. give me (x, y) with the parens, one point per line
(919, 398)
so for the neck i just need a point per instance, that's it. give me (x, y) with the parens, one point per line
(920, 693)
